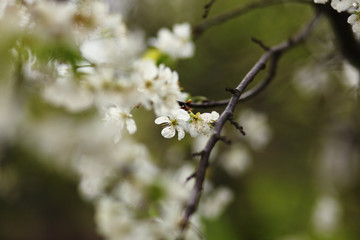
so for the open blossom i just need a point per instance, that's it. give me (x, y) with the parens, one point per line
(202, 123)
(342, 5)
(354, 21)
(177, 44)
(158, 86)
(176, 121)
(120, 117)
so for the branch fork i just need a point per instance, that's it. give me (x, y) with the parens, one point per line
(272, 54)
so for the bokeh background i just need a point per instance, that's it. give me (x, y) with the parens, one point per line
(302, 183)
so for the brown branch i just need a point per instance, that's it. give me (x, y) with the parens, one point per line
(245, 96)
(207, 8)
(260, 43)
(205, 25)
(273, 53)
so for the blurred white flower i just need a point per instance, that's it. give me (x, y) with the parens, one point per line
(236, 161)
(176, 121)
(255, 124)
(311, 80)
(326, 215)
(94, 176)
(113, 219)
(119, 118)
(133, 201)
(351, 75)
(158, 86)
(118, 52)
(53, 16)
(64, 92)
(215, 204)
(176, 44)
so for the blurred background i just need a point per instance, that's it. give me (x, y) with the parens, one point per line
(296, 172)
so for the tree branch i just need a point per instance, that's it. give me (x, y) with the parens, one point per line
(273, 53)
(244, 97)
(205, 25)
(207, 8)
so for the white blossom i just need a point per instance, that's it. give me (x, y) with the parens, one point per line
(159, 86)
(177, 44)
(176, 121)
(202, 123)
(103, 70)
(354, 20)
(342, 5)
(119, 118)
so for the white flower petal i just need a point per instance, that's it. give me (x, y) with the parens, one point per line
(130, 125)
(168, 132)
(161, 120)
(181, 133)
(181, 114)
(215, 115)
(207, 117)
(193, 130)
(182, 30)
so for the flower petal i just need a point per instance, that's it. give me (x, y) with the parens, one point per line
(215, 115)
(161, 120)
(168, 132)
(181, 114)
(181, 133)
(130, 125)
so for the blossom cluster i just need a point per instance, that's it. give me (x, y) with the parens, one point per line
(352, 6)
(76, 59)
(181, 121)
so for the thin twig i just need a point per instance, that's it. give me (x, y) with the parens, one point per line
(193, 175)
(260, 43)
(205, 25)
(236, 124)
(273, 53)
(207, 8)
(245, 96)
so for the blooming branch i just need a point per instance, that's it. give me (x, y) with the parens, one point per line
(273, 52)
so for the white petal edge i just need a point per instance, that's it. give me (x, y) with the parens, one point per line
(181, 114)
(161, 120)
(168, 132)
(131, 126)
(181, 133)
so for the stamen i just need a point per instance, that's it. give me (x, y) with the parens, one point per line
(165, 124)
